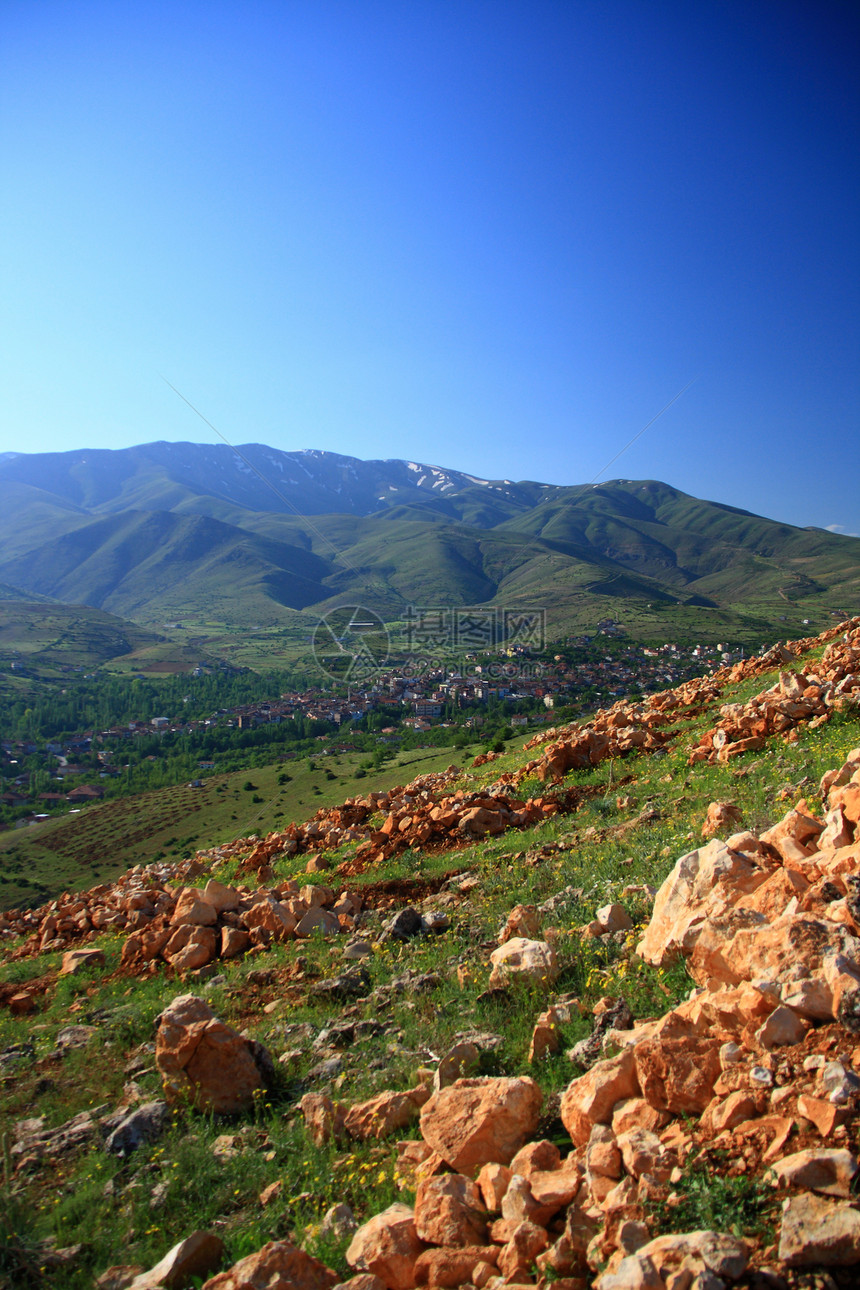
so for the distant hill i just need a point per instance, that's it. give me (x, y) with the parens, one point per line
(39, 634)
(205, 533)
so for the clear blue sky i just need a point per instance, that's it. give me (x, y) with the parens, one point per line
(498, 236)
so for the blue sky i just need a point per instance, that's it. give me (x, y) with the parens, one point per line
(495, 236)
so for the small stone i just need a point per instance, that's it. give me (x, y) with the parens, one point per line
(761, 1076)
(614, 918)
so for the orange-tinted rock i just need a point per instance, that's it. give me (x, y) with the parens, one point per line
(451, 1268)
(234, 942)
(388, 1246)
(277, 1264)
(324, 1119)
(527, 1241)
(270, 916)
(521, 957)
(493, 1180)
(817, 1231)
(191, 946)
(636, 1113)
(523, 921)
(449, 1210)
(476, 1121)
(821, 1112)
(556, 1188)
(203, 1060)
(820, 1170)
(384, 1114)
(678, 1074)
(644, 1153)
(195, 1256)
(193, 909)
(592, 1098)
(79, 960)
(702, 883)
(720, 817)
(536, 1156)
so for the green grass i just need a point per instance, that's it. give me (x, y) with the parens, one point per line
(709, 1197)
(133, 1211)
(75, 852)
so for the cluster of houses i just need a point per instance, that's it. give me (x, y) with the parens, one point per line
(527, 689)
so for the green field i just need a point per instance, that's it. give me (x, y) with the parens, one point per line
(105, 839)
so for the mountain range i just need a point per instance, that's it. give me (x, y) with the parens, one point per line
(168, 530)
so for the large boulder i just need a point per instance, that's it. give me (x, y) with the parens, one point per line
(204, 1061)
(277, 1264)
(474, 1122)
(388, 1246)
(702, 884)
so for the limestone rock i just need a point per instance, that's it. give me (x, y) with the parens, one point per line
(192, 908)
(678, 1073)
(521, 957)
(720, 816)
(222, 898)
(191, 946)
(449, 1211)
(477, 1121)
(324, 1119)
(75, 961)
(460, 1061)
(388, 1246)
(815, 1230)
(702, 883)
(202, 1059)
(592, 1098)
(614, 918)
(830, 1172)
(384, 1114)
(451, 1268)
(493, 1180)
(523, 921)
(145, 1123)
(691, 1253)
(197, 1255)
(279, 1263)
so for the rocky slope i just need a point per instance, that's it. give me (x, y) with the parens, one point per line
(751, 1081)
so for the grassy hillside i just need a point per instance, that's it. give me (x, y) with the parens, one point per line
(65, 1219)
(47, 635)
(181, 531)
(107, 838)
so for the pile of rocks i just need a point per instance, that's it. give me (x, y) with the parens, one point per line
(797, 699)
(761, 1062)
(424, 812)
(186, 927)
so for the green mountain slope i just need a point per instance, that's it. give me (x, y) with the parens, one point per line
(201, 533)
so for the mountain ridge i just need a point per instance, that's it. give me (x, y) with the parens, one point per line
(164, 530)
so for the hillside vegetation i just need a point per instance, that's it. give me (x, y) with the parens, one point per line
(460, 1041)
(219, 539)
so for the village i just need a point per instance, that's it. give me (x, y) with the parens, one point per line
(512, 687)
